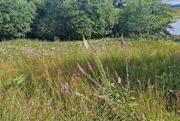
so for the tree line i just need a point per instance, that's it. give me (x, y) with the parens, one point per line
(72, 19)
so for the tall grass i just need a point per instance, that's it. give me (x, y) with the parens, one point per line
(41, 80)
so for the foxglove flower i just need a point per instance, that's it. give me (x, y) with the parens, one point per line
(94, 50)
(89, 66)
(128, 86)
(122, 43)
(99, 98)
(79, 68)
(65, 88)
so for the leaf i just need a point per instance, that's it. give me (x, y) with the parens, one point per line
(20, 80)
(13, 82)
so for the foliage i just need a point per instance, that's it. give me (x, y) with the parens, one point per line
(13, 82)
(71, 19)
(140, 17)
(119, 3)
(15, 18)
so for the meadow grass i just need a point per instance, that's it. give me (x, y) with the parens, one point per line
(42, 81)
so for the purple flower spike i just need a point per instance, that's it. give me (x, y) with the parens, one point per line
(89, 66)
(128, 85)
(65, 87)
(99, 98)
(79, 68)
(179, 57)
(94, 50)
(122, 43)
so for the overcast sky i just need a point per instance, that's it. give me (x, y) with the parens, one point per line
(172, 1)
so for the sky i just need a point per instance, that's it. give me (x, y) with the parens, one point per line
(173, 2)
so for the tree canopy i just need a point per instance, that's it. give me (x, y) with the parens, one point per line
(72, 19)
(144, 17)
(16, 17)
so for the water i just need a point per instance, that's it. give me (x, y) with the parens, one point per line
(176, 27)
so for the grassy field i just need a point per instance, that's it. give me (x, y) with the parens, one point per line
(52, 81)
(176, 13)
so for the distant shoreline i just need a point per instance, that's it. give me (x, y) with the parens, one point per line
(176, 13)
(175, 6)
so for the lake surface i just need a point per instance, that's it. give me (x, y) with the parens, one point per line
(176, 27)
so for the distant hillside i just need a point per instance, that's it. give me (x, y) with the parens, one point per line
(176, 13)
(175, 6)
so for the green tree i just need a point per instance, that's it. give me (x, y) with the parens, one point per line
(144, 17)
(16, 17)
(104, 17)
(59, 18)
(139, 17)
(161, 17)
(72, 19)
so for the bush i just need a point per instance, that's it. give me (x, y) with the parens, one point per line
(16, 17)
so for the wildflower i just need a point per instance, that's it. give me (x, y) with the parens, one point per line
(179, 57)
(65, 87)
(128, 86)
(122, 43)
(79, 68)
(94, 50)
(89, 66)
(99, 98)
